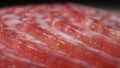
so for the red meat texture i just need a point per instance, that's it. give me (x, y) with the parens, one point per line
(59, 36)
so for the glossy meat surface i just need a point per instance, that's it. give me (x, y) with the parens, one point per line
(59, 36)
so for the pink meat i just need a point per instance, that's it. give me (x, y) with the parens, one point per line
(59, 36)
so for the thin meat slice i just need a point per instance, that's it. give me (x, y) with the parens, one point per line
(59, 36)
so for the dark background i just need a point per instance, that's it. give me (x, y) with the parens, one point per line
(109, 4)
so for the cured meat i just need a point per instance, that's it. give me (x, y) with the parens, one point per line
(59, 36)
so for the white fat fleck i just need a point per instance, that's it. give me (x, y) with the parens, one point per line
(115, 18)
(75, 23)
(2, 46)
(87, 23)
(65, 14)
(82, 62)
(118, 32)
(11, 19)
(10, 16)
(18, 10)
(111, 22)
(29, 37)
(56, 9)
(61, 52)
(55, 21)
(31, 47)
(42, 23)
(67, 28)
(96, 17)
(37, 15)
(67, 37)
(12, 22)
(93, 49)
(115, 35)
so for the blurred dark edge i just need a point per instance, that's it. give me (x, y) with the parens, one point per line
(112, 4)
